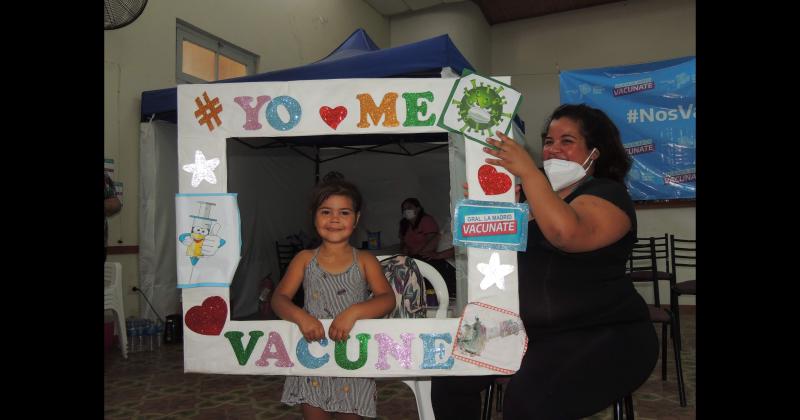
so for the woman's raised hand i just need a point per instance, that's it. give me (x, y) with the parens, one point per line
(509, 155)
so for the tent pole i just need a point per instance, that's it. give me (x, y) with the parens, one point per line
(316, 166)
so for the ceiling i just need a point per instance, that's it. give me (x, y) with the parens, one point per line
(495, 11)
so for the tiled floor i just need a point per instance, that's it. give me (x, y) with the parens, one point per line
(152, 385)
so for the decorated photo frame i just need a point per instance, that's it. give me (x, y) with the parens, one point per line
(209, 114)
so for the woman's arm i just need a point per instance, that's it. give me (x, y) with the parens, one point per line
(585, 224)
(282, 299)
(445, 254)
(381, 303)
(112, 206)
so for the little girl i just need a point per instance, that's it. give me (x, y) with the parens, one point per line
(337, 280)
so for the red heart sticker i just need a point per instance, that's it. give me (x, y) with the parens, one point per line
(209, 318)
(333, 116)
(493, 182)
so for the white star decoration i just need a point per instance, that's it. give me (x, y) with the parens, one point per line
(494, 272)
(202, 169)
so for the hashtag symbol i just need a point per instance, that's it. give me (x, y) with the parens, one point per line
(632, 116)
(208, 110)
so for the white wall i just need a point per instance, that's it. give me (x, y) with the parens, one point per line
(141, 56)
(532, 51)
(463, 22)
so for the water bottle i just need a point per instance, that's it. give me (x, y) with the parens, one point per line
(131, 330)
(151, 335)
(159, 334)
(142, 334)
(136, 337)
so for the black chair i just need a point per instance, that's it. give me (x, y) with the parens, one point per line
(494, 391)
(661, 244)
(683, 253)
(623, 408)
(285, 254)
(643, 259)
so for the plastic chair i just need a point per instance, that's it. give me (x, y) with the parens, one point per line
(643, 259)
(683, 253)
(421, 386)
(112, 299)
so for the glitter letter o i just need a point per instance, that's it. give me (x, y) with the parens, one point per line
(291, 105)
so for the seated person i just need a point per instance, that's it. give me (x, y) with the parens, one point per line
(419, 231)
(444, 259)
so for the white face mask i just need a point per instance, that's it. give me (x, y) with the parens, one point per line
(409, 214)
(563, 173)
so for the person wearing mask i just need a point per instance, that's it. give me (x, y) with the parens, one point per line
(419, 232)
(591, 341)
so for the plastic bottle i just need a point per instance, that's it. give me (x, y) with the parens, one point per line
(142, 334)
(131, 330)
(151, 335)
(159, 334)
(136, 337)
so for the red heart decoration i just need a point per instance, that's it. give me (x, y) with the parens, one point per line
(209, 318)
(493, 182)
(333, 116)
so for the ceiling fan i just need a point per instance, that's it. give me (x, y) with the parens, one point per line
(119, 13)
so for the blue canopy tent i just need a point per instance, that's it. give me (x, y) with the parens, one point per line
(356, 57)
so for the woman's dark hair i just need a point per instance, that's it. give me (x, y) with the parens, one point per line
(405, 224)
(600, 132)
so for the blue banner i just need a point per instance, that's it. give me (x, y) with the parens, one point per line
(653, 105)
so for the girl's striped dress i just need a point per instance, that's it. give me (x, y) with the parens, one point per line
(326, 295)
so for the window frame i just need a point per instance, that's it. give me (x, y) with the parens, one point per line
(186, 31)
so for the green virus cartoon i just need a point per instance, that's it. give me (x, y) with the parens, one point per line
(481, 108)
